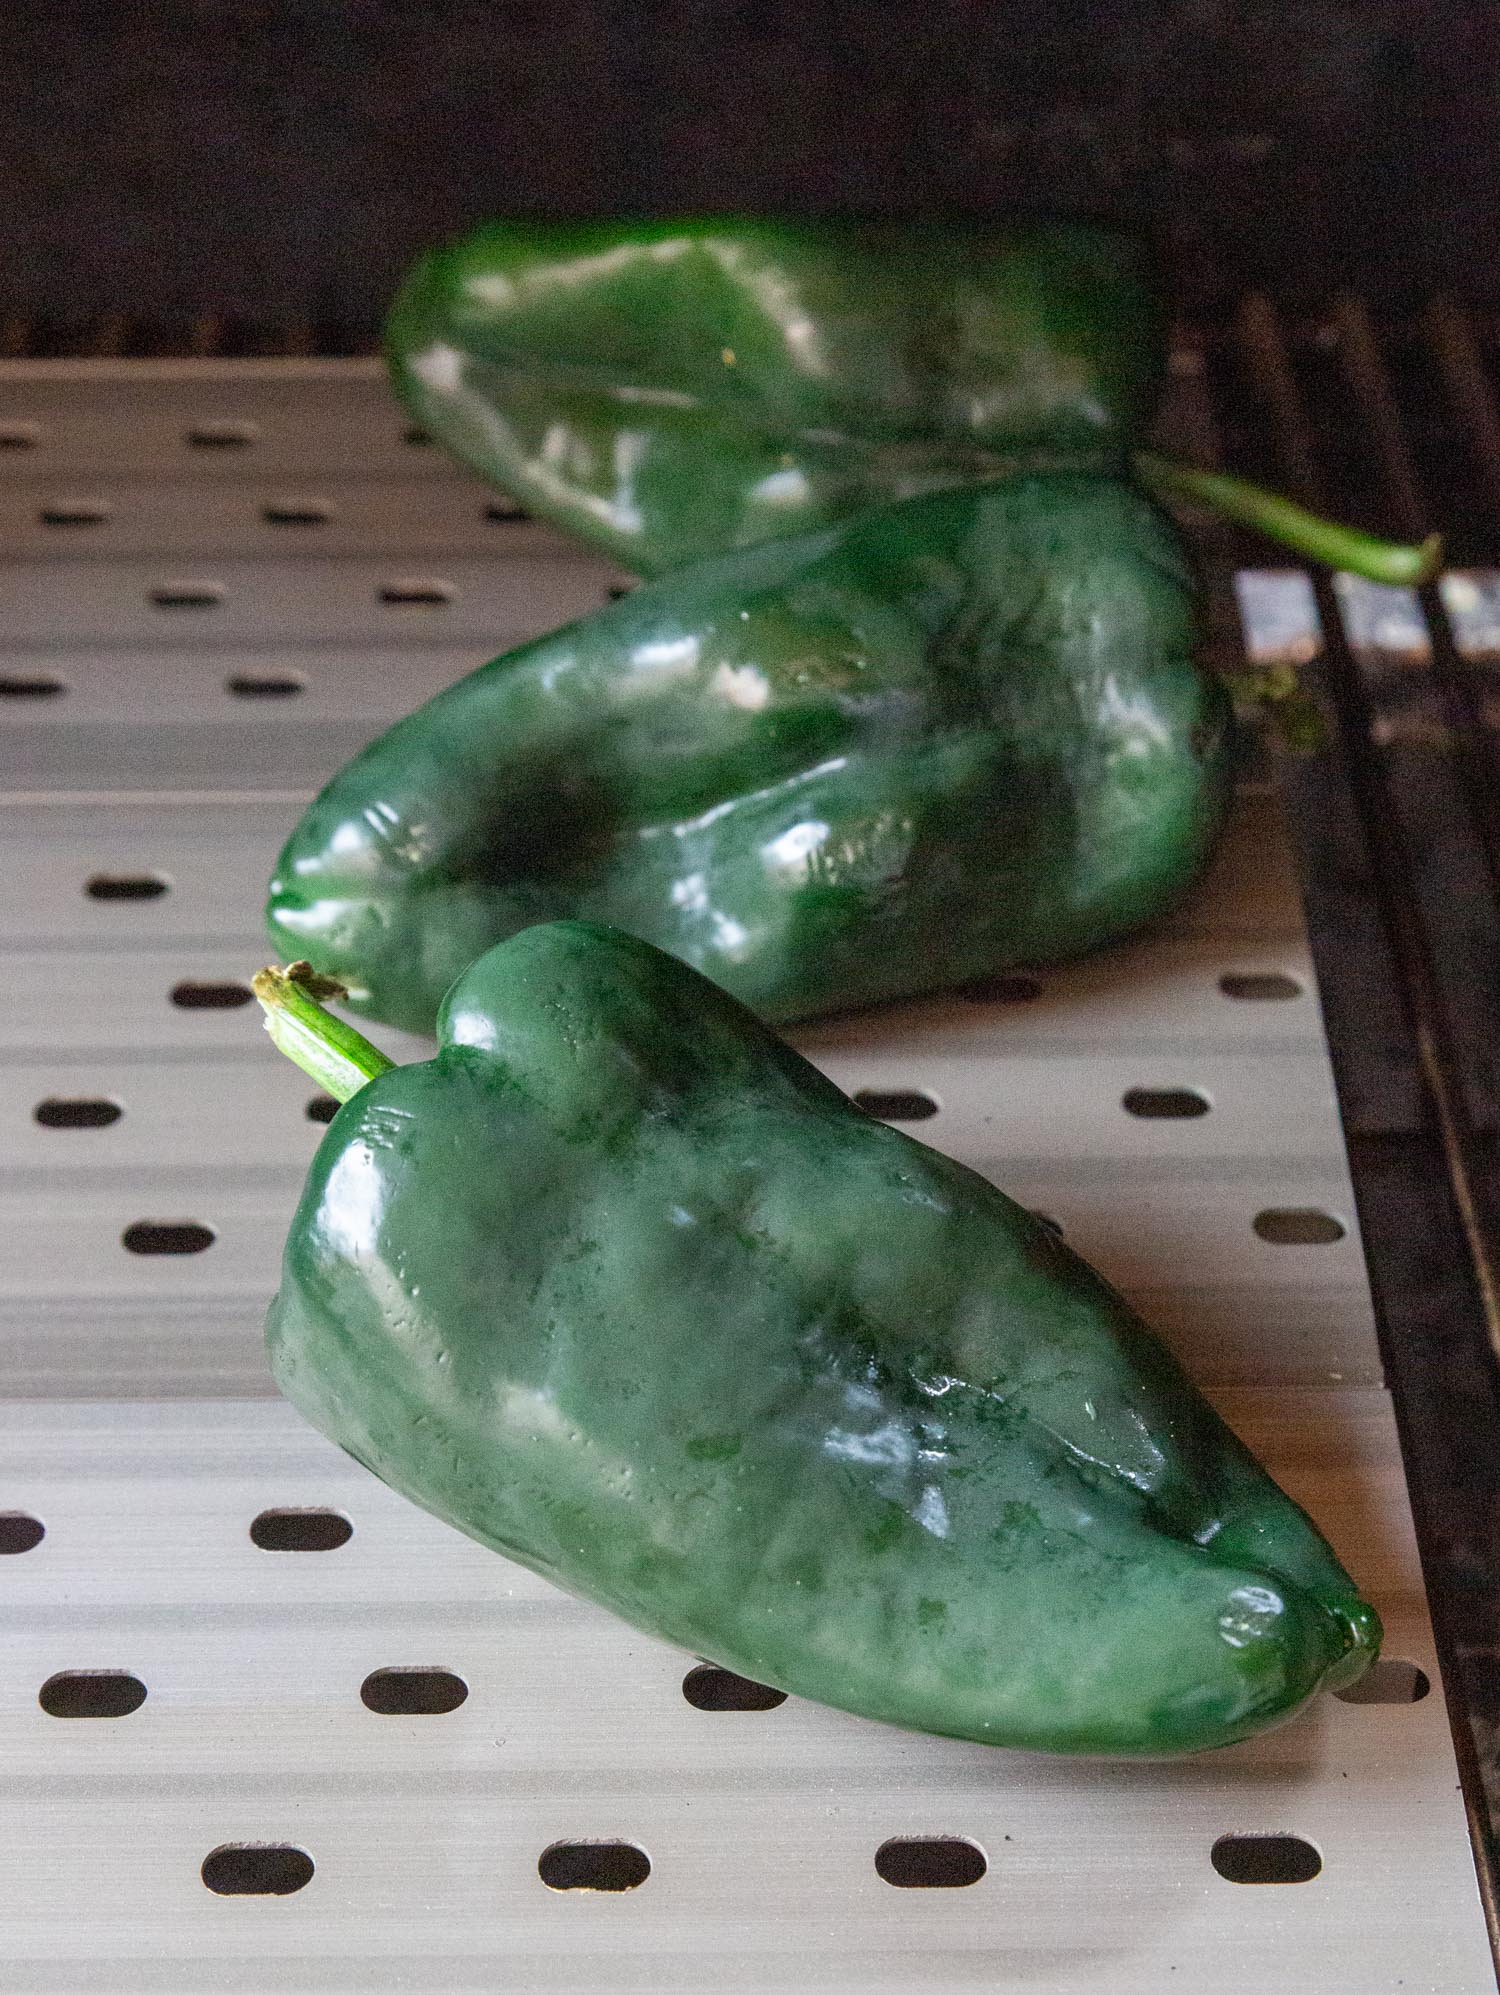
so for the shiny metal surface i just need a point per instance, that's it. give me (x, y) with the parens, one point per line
(140, 1432)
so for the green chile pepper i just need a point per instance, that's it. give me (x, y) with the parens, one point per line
(958, 733)
(624, 1288)
(669, 390)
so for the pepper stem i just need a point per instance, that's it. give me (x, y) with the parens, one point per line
(1306, 533)
(337, 1057)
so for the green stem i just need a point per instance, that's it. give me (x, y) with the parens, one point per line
(1306, 533)
(337, 1057)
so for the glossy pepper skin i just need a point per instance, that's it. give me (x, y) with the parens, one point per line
(959, 733)
(624, 1288)
(668, 390)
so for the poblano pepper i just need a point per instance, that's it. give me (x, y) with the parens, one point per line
(622, 1287)
(668, 390)
(958, 733)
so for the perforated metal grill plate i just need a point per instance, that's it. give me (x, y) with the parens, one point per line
(177, 673)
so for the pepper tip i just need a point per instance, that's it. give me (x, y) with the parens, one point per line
(1430, 559)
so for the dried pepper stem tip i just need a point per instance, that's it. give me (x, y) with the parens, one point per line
(328, 1049)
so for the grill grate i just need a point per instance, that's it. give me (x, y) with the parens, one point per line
(370, 1755)
(1416, 771)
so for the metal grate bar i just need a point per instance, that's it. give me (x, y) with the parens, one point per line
(1364, 367)
(1410, 515)
(1450, 333)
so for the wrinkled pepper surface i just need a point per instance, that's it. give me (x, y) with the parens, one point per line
(669, 390)
(958, 733)
(624, 1288)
